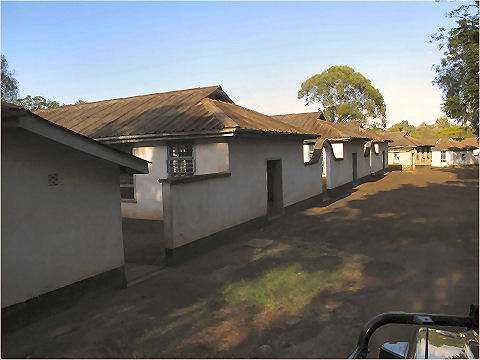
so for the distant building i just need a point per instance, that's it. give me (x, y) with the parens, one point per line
(349, 152)
(455, 152)
(61, 220)
(408, 152)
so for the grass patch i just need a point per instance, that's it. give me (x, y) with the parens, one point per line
(291, 286)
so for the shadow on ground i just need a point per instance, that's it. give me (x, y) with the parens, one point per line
(407, 242)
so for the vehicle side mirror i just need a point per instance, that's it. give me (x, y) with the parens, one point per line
(393, 350)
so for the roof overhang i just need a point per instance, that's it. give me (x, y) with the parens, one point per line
(24, 119)
(205, 134)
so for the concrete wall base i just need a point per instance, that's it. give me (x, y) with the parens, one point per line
(198, 247)
(304, 204)
(22, 314)
(189, 251)
(394, 168)
(422, 167)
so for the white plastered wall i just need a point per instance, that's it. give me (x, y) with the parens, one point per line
(198, 209)
(454, 158)
(148, 191)
(53, 236)
(436, 157)
(405, 157)
(340, 171)
(210, 157)
(376, 159)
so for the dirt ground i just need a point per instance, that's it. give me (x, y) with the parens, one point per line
(406, 242)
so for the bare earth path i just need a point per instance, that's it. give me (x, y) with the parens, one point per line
(407, 242)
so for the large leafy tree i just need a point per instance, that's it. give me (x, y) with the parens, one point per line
(9, 83)
(442, 122)
(345, 95)
(10, 92)
(455, 132)
(457, 73)
(37, 102)
(403, 126)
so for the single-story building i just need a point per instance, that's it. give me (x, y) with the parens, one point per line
(214, 165)
(61, 219)
(455, 152)
(408, 152)
(348, 151)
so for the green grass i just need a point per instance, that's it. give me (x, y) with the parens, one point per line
(289, 287)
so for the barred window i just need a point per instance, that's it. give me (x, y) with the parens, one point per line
(443, 156)
(180, 160)
(127, 186)
(311, 149)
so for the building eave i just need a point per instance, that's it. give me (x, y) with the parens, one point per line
(37, 125)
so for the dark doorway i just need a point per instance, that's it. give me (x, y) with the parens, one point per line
(274, 188)
(354, 166)
(464, 159)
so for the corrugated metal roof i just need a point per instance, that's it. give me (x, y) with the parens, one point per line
(401, 139)
(188, 110)
(14, 116)
(312, 122)
(249, 119)
(453, 144)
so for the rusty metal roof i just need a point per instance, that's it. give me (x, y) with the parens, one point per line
(191, 110)
(314, 122)
(401, 139)
(456, 144)
(14, 116)
(237, 116)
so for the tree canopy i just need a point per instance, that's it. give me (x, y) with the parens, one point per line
(345, 95)
(443, 122)
(403, 126)
(9, 83)
(457, 73)
(437, 130)
(37, 102)
(10, 92)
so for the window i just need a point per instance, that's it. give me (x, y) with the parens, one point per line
(127, 186)
(180, 160)
(311, 149)
(443, 156)
(396, 157)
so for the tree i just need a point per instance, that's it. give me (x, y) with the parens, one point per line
(9, 83)
(403, 126)
(442, 122)
(37, 102)
(345, 95)
(457, 74)
(424, 131)
(456, 132)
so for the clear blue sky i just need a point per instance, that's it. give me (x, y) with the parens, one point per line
(259, 52)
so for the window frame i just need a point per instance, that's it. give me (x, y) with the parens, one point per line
(311, 150)
(396, 157)
(443, 156)
(186, 158)
(132, 185)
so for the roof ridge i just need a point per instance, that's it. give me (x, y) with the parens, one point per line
(218, 113)
(302, 113)
(269, 117)
(128, 97)
(243, 107)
